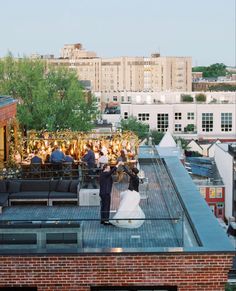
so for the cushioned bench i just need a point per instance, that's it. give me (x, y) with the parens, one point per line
(46, 192)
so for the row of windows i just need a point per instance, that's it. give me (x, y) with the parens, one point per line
(143, 116)
(213, 192)
(178, 115)
(207, 121)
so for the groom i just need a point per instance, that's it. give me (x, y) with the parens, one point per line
(105, 191)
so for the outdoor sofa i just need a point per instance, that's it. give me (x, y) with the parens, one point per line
(48, 192)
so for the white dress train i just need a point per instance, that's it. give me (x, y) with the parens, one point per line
(129, 213)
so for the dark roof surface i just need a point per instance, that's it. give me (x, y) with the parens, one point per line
(6, 100)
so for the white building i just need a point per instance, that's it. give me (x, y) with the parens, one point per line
(225, 158)
(190, 121)
(210, 120)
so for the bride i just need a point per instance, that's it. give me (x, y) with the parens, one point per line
(129, 213)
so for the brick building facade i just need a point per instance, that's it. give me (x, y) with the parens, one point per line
(7, 113)
(185, 272)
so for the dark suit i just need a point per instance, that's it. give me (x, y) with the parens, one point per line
(105, 193)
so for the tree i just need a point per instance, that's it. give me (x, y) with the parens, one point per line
(200, 97)
(223, 87)
(139, 128)
(189, 127)
(156, 136)
(212, 71)
(186, 98)
(230, 287)
(49, 98)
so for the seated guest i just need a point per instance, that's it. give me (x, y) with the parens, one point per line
(89, 159)
(102, 160)
(17, 157)
(122, 158)
(57, 156)
(47, 159)
(131, 160)
(68, 157)
(36, 159)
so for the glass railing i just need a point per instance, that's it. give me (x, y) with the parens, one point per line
(89, 235)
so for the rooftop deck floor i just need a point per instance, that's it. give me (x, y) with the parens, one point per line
(156, 231)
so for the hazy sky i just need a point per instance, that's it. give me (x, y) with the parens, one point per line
(203, 29)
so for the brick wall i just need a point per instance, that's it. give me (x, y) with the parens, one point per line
(68, 273)
(6, 113)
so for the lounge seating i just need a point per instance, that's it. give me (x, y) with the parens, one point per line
(48, 192)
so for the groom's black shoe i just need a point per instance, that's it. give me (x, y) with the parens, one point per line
(107, 223)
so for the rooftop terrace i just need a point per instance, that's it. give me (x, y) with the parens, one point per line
(177, 219)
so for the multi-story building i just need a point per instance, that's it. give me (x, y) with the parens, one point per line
(153, 73)
(225, 158)
(190, 120)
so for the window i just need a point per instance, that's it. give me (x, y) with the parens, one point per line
(226, 121)
(207, 122)
(143, 116)
(178, 115)
(190, 115)
(178, 127)
(162, 121)
(212, 193)
(115, 98)
(219, 193)
(126, 115)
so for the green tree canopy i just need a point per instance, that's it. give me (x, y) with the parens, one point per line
(186, 98)
(212, 71)
(156, 136)
(49, 98)
(223, 87)
(201, 97)
(132, 124)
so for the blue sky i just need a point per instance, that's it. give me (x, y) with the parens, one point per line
(203, 29)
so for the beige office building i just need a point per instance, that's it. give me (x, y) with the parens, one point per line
(153, 73)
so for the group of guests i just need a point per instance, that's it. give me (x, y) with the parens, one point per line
(94, 165)
(56, 157)
(105, 177)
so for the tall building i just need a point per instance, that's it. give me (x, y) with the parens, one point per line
(154, 73)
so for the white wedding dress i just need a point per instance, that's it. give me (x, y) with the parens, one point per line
(129, 213)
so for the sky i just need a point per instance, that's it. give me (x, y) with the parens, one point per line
(204, 29)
